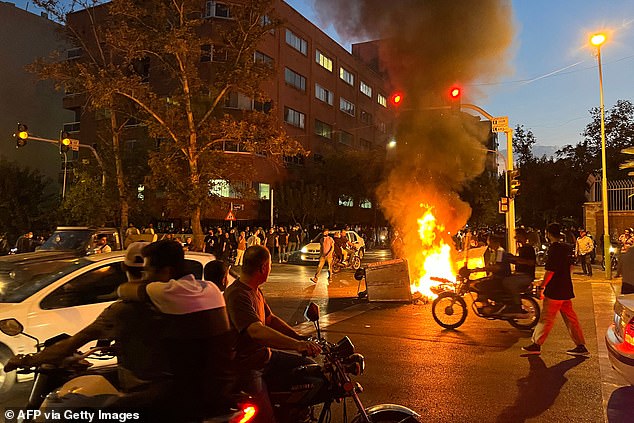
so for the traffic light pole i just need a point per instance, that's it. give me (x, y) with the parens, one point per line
(89, 147)
(510, 216)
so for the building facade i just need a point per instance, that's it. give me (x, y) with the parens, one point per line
(325, 97)
(23, 97)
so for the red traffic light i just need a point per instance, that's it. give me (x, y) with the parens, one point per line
(455, 92)
(396, 99)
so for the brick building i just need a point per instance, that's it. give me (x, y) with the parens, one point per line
(326, 98)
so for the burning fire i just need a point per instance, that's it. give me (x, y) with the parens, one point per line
(434, 258)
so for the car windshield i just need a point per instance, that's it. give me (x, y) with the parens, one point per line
(68, 240)
(19, 281)
(318, 238)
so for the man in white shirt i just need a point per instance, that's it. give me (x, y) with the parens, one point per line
(583, 250)
(327, 251)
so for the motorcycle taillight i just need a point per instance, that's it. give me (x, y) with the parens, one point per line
(628, 333)
(247, 414)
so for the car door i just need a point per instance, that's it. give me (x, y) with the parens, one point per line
(69, 306)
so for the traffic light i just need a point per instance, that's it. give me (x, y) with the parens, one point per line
(64, 142)
(21, 135)
(455, 93)
(396, 99)
(514, 183)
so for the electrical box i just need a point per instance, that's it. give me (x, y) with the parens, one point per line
(388, 281)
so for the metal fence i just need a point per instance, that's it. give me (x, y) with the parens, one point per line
(620, 194)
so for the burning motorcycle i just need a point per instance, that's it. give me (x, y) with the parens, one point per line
(353, 261)
(449, 309)
(330, 382)
(71, 384)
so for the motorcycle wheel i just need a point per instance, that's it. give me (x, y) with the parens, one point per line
(7, 380)
(534, 312)
(449, 310)
(390, 416)
(540, 259)
(356, 262)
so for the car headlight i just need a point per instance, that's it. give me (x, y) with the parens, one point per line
(304, 249)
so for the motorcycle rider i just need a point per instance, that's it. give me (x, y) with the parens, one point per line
(155, 350)
(260, 334)
(498, 267)
(524, 273)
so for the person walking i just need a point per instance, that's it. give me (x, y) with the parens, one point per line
(242, 246)
(327, 249)
(270, 242)
(282, 242)
(558, 293)
(583, 249)
(293, 239)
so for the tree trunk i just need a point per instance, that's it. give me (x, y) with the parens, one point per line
(121, 188)
(197, 229)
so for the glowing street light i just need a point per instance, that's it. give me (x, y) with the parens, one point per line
(598, 40)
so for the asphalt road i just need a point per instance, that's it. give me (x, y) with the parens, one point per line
(474, 374)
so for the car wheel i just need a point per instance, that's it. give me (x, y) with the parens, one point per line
(7, 380)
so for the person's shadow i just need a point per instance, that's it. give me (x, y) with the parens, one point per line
(538, 390)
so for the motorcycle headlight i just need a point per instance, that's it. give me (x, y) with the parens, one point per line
(304, 249)
(343, 348)
(612, 250)
(543, 247)
(355, 364)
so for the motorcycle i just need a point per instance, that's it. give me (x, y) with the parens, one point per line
(449, 309)
(614, 259)
(541, 254)
(330, 382)
(353, 261)
(71, 384)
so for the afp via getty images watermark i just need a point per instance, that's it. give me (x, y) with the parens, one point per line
(70, 415)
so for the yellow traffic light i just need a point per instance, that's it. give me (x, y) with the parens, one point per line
(21, 135)
(64, 142)
(514, 183)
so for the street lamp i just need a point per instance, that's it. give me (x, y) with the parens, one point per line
(598, 40)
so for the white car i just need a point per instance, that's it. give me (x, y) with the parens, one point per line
(50, 295)
(310, 251)
(620, 337)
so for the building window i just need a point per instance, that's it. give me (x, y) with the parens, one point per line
(264, 107)
(264, 191)
(296, 42)
(205, 53)
(130, 146)
(231, 101)
(214, 9)
(222, 188)
(74, 53)
(381, 100)
(380, 125)
(346, 76)
(323, 129)
(346, 138)
(366, 89)
(346, 106)
(346, 201)
(259, 57)
(294, 79)
(324, 95)
(293, 117)
(365, 144)
(218, 53)
(366, 117)
(365, 204)
(323, 60)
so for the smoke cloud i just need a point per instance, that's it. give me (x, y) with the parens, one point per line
(426, 47)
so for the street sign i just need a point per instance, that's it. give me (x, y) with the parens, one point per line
(74, 144)
(500, 124)
(238, 207)
(230, 216)
(503, 205)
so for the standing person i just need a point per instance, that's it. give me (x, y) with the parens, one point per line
(261, 334)
(293, 239)
(271, 242)
(149, 229)
(132, 230)
(254, 239)
(282, 241)
(583, 250)
(397, 246)
(24, 242)
(558, 293)
(219, 245)
(326, 252)
(626, 240)
(242, 246)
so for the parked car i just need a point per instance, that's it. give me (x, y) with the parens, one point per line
(620, 337)
(49, 296)
(309, 253)
(80, 240)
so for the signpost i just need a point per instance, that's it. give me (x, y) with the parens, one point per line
(500, 124)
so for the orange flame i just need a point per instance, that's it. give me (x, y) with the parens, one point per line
(434, 258)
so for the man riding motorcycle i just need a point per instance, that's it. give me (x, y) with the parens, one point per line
(260, 333)
(171, 366)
